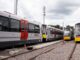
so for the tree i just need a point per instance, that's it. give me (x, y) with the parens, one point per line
(56, 26)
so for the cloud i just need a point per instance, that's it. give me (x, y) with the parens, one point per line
(73, 18)
(56, 10)
(7, 5)
(62, 8)
(54, 16)
(23, 11)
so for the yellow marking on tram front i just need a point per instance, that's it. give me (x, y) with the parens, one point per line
(77, 39)
(66, 38)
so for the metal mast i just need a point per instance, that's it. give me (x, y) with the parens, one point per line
(44, 14)
(15, 6)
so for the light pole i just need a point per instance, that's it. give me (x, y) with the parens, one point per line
(44, 14)
(15, 6)
(63, 32)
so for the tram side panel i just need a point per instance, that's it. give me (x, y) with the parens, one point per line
(34, 35)
(50, 35)
(9, 31)
(17, 31)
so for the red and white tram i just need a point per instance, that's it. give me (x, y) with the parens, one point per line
(17, 31)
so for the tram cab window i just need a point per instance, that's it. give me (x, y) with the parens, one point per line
(66, 33)
(77, 33)
(37, 29)
(15, 25)
(77, 30)
(4, 23)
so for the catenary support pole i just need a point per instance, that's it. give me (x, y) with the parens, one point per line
(15, 6)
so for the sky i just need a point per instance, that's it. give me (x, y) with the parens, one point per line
(62, 12)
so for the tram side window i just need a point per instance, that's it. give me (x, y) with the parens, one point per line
(15, 25)
(27, 27)
(50, 31)
(30, 27)
(4, 23)
(22, 27)
(37, 29)
(0, 24)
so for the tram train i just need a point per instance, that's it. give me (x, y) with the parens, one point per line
(77, 32)
(17, 31)
(67, 35)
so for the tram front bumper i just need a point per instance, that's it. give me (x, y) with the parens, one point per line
(77, 39)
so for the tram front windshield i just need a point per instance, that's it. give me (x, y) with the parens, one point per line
(77, 30)
(66, 33)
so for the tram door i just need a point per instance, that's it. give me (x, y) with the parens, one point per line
(24, 33)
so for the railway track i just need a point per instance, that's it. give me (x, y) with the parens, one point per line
(57, 51)
(72, 52)
(37, 54)
(61, 53)
(43, 52)
(12, 53)
(76, 53)
(28, 53)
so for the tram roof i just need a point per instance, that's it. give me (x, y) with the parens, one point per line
(77, 24)
(10, 15)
